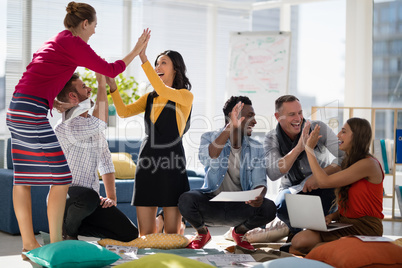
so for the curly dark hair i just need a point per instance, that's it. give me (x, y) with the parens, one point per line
(360, 146)
(231, 102)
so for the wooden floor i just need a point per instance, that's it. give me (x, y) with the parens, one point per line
(10, 245)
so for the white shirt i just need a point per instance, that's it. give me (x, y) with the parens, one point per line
(86, 150)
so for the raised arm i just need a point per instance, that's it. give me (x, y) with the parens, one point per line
(101, 106)
(286, 162)
(232, 131)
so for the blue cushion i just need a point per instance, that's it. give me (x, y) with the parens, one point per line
(131, 146)
(292, 262)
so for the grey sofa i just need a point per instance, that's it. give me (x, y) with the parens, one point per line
(124, 190)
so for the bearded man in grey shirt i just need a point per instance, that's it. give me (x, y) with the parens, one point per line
(286, 159)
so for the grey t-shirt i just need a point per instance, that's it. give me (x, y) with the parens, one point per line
(231, 181)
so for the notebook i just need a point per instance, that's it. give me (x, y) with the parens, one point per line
(305, 211)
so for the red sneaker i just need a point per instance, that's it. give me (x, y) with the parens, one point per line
(199, 241)
(241, 240)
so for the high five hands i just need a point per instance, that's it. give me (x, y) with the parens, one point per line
(312, 139)
(142, 41)
(235, 118)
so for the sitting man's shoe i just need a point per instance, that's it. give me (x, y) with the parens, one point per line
(199, 241)
(241, 240)
(66, 236)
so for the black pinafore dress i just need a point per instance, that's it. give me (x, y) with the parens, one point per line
(161, 175)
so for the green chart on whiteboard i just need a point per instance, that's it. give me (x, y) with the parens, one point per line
(259, 68)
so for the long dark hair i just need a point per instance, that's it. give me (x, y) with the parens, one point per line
(360, 146)
(180, 80)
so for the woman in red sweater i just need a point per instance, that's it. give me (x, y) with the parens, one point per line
(37, 156)
(359, 187)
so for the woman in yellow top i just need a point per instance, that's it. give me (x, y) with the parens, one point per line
(161, 175)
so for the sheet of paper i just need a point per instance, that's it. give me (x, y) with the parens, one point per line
(230, 259)
(126, 253)
(367, 238)
(240, 196)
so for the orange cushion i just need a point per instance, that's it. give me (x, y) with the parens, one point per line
(352, 252)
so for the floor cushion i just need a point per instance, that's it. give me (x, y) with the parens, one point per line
(352, 252)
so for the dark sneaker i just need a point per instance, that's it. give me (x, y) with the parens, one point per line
(241, 240)
(199, 241)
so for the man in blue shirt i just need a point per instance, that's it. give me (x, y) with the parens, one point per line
(233, 162)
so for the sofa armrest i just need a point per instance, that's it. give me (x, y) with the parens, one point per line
(8, 221)
(131, 146)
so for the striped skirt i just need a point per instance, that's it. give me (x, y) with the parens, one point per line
(37, 156)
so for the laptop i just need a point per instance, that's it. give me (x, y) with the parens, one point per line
(305, 211)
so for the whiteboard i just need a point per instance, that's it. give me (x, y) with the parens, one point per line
(259, 69)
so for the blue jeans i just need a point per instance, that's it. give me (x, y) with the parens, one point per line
(196, 208)
(85, 216)
(327, 197)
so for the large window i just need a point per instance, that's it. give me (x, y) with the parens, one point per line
(387, 53)
(321, 64)
(3, 52)
(201, 33)
(387, 73)
(387, 62)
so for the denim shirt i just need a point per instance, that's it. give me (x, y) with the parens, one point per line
(252, 169)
